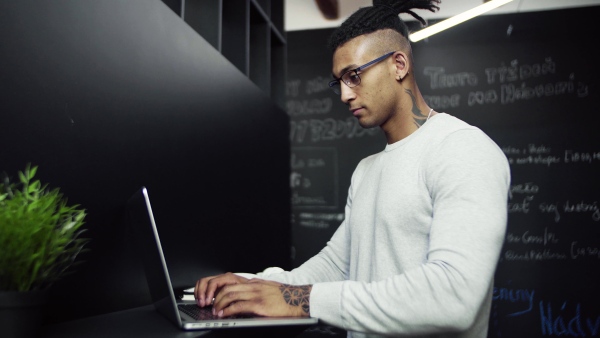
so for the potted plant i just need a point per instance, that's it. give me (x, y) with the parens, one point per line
(40, 239)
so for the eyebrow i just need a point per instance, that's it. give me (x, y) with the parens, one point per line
(344, 70)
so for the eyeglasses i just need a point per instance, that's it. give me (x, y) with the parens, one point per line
(351, 78)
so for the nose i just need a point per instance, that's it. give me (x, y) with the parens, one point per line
(347, 94)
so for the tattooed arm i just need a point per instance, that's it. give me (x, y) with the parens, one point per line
(298, 296)
(236, 295)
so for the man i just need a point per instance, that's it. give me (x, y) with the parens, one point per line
(425, 218)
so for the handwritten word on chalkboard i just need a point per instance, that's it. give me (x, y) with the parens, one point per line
(314, 177)
(504, 84)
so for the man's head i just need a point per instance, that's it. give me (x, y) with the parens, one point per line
(372, 63)
(384, 14)
(380, 27)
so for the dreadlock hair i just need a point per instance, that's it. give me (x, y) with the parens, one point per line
(383, 14)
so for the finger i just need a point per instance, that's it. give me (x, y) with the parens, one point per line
(231, 295)
(214, 285)
(236, 308)
(263, 281)
(197, 291)
(200, 290)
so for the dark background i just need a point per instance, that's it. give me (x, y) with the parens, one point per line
(107, 96)
(530, 81)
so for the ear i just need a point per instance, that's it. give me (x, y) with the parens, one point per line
(401, 64)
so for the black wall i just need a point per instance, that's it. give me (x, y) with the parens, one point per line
(530, 81)
(107, 96)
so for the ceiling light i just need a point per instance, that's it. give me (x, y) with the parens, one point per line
(455, 20)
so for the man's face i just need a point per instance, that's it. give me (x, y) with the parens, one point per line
(373, 102)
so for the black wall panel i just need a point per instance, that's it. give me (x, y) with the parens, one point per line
(107, 96)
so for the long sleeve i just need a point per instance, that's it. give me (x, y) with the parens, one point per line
(424, 227)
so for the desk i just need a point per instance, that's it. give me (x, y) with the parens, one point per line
(146, 322)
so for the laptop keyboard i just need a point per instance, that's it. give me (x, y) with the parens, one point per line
(204, 313)
(196, 312)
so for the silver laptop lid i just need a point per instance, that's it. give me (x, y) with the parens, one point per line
(159, 283)
(150, 250)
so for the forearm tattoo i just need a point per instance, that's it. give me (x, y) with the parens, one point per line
(297, 295)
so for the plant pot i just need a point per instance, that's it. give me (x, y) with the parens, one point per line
(21, 313)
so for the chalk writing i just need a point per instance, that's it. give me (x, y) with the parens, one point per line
(443, 101)
(539, 159)
(317, 85)
(314, 224)
(572, 156)
(583, 89)
(327, 130)
(532, 148)
(510, 93)
(583, 207)
(439, 79)
(511, 82)
(533, 255)
(510, 150)
(482, 97)
(528, 238)
(516, 72)
(292, 88)
(521, 206)
(323, 216)
(300, 163)
(584, 251)
(566, 320)
(518, 296)
(297, 181)
(308, 107)
(569, 207)
(542, 154)
(562, 322)
(314, 177)
(551, 208)
(523, 188)
(319, 220)
(307, 200)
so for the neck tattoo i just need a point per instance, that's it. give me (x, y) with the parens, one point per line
(428, 116)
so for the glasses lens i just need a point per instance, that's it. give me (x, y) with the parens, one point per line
(351, 78)
(335, 86)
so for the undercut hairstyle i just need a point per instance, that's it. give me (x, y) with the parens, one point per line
(384, 14)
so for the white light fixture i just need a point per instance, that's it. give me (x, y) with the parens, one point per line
(455, 20)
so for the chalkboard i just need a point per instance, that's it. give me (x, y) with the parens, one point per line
(531, 84)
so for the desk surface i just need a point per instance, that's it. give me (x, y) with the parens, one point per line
(146, 322)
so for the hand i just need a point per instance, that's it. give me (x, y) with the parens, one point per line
(263, 298)
(207, 287)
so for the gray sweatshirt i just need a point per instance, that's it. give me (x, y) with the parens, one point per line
(424, 224)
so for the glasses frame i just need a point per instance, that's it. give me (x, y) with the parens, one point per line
(335, 84)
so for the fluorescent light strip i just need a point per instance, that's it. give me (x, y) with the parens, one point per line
(455, 20)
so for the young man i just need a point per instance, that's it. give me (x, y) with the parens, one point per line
(425, 218)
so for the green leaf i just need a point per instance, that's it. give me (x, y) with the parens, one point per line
(32, 172)
(22, 177)
(39, 233)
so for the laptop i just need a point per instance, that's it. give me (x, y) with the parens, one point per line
(185, 314)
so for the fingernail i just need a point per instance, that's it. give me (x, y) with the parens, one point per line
(220, 313)
(213, 311)
(201, 302)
